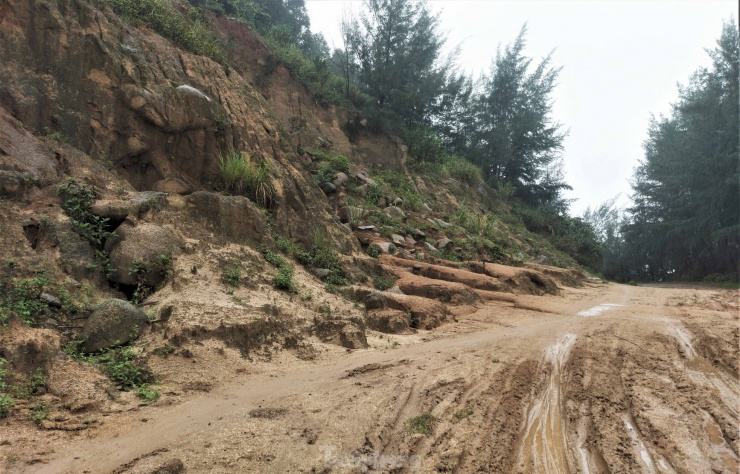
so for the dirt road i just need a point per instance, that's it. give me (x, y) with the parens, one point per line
(608, 378)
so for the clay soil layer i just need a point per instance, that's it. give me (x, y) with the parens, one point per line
(602, 379)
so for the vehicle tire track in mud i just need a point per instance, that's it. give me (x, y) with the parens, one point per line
(486, 414)
(544, 444)
(638, 410)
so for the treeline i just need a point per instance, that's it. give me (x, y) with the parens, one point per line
(684, 223)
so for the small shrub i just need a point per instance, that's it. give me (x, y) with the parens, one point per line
(273, 258)
(283, 244)
(6, 404)
(373, 252)
(162, 267)
(283, 279)
(383, 283)
(422, 424)
(147, 393)
(23, 299)
(120, 367)
(231, 274)
(463, 170)
(3, 372)
(165, 350)
(39, 412)
(76, 200)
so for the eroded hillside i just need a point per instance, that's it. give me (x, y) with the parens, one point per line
(126, 250)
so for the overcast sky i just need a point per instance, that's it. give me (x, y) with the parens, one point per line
(621, 62)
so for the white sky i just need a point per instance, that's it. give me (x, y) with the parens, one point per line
(621, 62)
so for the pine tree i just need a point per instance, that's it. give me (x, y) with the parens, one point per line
(684, 222)
(516, 140)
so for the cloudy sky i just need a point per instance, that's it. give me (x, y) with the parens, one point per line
(621, 62)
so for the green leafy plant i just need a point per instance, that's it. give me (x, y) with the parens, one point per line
(383, 283)
(3, 372)
(373, 252)
(422, 424)
(322, 255)
(121, 368)
(283, 279)
(273, 258)
(147, 393)
(39, 412)
(77, 199)
(22, 298)
(231, 274)
(6, 404)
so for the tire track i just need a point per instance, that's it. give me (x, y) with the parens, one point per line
(544, 445)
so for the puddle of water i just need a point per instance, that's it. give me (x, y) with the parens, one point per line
(637, 441)
(545, 441)
(597, 310)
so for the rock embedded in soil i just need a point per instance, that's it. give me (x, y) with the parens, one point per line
(119, 209)
(143, 243)
(393, 211)
(398, 240)
(340, 179)
(382, 247)
(328, 188)
(113, 323)
(444, 243)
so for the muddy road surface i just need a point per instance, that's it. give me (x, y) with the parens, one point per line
(603, 379)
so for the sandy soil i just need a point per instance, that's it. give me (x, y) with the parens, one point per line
(602, 379)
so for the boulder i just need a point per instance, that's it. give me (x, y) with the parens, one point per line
(340, 179)
(147, 244)
(429, 247)
(119, 209)
(111, 324)
(398, 202)
(374, 301)
(444, 243)
(393, 211)
(410, 241)
(398, 240)
(321, 273)
(382, 247)
(419, 235)
(328, 188)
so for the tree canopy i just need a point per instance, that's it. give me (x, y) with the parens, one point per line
(685, 220)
